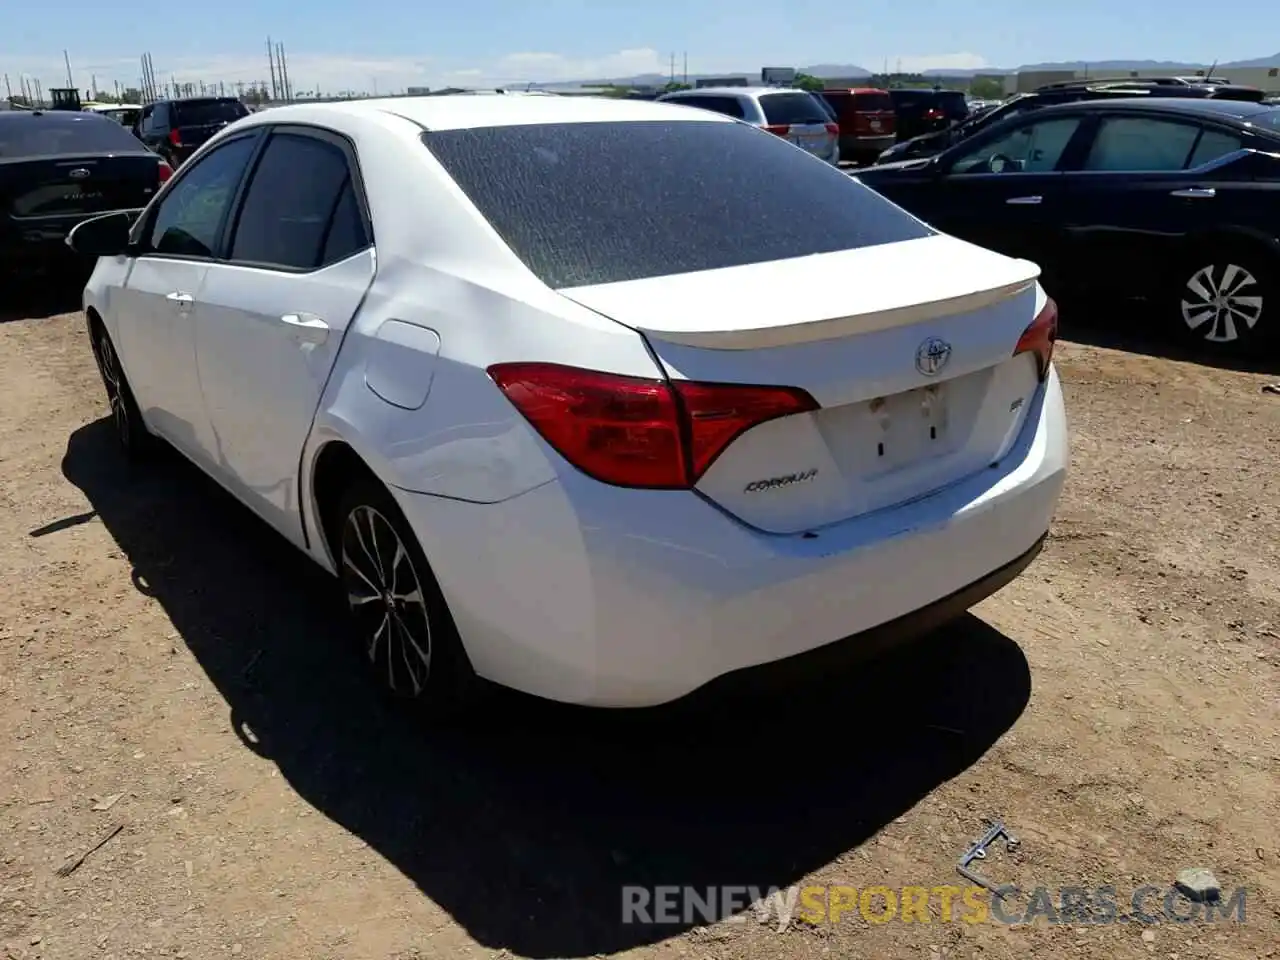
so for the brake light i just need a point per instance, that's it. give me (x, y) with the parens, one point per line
(933, 113)
(781, 129)
(166, 171)
(1040, 337)
(175, 138)
(833, 129)
(635, 431)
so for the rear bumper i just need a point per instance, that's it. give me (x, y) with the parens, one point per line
(590, 594)
(856, 146)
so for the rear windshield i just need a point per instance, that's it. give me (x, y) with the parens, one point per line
(872, 101)
(794, 107)
(588, 203)
(196, 113)
(1267, 120)
(45, 135)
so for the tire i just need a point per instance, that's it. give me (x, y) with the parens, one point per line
(136, 443)
(1224, 299)
(400, 622)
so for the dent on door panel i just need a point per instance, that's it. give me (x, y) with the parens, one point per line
(400, 363)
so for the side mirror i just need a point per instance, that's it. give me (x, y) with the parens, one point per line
(104, 236)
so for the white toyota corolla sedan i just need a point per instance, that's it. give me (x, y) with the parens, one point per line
(599, 400)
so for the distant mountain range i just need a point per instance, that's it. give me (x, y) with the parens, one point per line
(853, 70)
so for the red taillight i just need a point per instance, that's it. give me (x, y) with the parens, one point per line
(781, 129)
(1040, 337)
(833, 129)
(175, 138)
(933, 113)
(638, 432)
(166, 171)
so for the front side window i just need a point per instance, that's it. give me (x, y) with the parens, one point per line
(1035, 147)
(288, 210)
(700, 195)
(1141, 144)
(190, 215)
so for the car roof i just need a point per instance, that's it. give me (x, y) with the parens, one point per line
(460, 113)
(736, 91)
(855, 90)
(1231, 109)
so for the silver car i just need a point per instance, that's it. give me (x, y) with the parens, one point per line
(796, 115)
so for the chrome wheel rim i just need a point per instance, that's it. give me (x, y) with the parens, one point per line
(113, 380)
(386, 600)
(1222, 303)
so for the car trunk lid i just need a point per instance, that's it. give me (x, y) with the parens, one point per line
(914, 370)
(75, 186)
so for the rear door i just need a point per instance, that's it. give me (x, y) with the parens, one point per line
(270, 318)
(796, 116)
(195, 121)
(1144, 184)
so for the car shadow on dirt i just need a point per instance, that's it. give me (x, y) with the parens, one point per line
(1136, 326)
(527, 823)
(38, 296)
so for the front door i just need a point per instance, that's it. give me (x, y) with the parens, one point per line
(175, 243)
(270, 320)
(1006, 192)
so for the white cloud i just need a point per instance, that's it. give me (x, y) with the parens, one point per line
(936, 61)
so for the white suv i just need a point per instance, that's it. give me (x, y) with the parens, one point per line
(794, 115)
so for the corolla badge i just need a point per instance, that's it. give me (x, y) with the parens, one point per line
(932, 355)
(79, 173)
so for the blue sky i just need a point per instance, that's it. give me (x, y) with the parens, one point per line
(338, 44)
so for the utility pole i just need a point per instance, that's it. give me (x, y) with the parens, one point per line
(8, 90)
(686, 68)
(284, 72)
(271, 65)
(67, 60)
(672, 76)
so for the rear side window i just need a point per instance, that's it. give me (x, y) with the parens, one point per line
(196, 113)
(729, 106)
(1147, 144)
(796, 107)
(699, 196)
(299, 185)
(44, 136)
(866, 102)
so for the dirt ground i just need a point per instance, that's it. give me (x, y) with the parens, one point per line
(170, 669)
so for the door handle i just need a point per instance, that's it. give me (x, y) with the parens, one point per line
(1195, 193)
(307, 327)
(182, 301)
(1024, 201)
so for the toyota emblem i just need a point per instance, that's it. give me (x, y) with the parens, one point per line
(932, 355)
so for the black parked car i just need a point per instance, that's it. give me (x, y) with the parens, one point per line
(928, 144)
(921, 110)
(58, 168)
(1172, 199)
(175, 128)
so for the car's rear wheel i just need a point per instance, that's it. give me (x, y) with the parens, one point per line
(135, 441)
(401, 623)
(1226, 300)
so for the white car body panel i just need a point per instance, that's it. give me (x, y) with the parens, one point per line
(561, 585)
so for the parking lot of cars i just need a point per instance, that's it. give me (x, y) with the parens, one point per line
(198, 771)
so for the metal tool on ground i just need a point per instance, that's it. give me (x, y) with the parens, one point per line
(979, 852)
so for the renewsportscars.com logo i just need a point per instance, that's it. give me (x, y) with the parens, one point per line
(819, 904)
